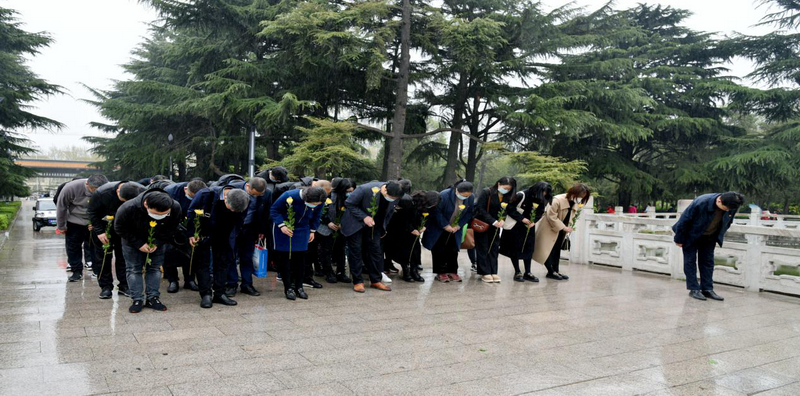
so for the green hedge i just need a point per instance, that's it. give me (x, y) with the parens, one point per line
(7, 212)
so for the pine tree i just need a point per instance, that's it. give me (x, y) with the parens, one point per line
(19, 87)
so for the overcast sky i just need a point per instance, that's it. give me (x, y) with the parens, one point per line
(92, 38)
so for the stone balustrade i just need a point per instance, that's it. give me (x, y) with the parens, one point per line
(757, 254)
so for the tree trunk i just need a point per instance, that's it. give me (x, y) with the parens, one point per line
(395, 154)
(386, 149)
(474, 130)
(182, 169)
(455, 138)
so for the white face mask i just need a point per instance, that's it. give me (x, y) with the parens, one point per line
(158, 216)
(502, 190)
(578, 200)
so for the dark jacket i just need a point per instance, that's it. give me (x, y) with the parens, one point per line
(271, 185)
(441, 218)
(696, 219)
(178, 193)
(306, 221)
(332, 212)
(489, 199)
(358, 206)
(132, 223)
(289, 186)
(104, 202)
(262, 220)
(208, 200)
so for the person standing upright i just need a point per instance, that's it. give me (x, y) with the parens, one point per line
(701, 227)
(72, 219)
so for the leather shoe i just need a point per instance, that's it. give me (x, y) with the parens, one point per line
(191, 285)
(415, 276)
(173, 287)
(330, 278)
(301, 293)
(205, 301)
(530, 278)
(554, 276)
(250, 290)
(714, 296)
(290, 295)
(312, 283)
(696, 294)
(230, 291)
(105, 294)
(380, 286)
(224, 300)
(341, 277)
(358, 288)
(563, 277)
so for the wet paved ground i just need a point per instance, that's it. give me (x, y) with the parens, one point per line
(603, 332)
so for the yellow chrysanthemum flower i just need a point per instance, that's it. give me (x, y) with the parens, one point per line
(375, 190)
(462, 207)
(289, 200)
(109, 218)
(425, 214)
(198, 212)
(153, 224)
(328, 201)
(580, 205)
(342, 208)
(503, 205)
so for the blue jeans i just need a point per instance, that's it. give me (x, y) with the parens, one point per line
(700, 254)
(134, 262)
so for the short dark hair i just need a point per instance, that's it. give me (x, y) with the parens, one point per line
(394, 189)
(464, 187)
(258, 184)
(426, 200)
(406, 184)
(96, 180)
(577, 190)
(158, 178)
(130, 190)
(159, 185)
(159, 201)
(732, 200)
(314, 194)
(280, 174)
(196, 185)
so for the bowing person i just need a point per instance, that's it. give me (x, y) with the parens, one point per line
(219, 212)
(554, 226)
(491, 209)
(107, 245)
(295, 215)
(402, 241)
(329, 237)
(525, 209)
(255, 226)
(176, 256)
(369, 211)
(445, 228)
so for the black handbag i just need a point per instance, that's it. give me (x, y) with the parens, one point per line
(566, 245)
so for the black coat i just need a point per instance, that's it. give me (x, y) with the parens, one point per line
(208, 200)
(489, 199)
(358, 205)
(399, 241)
(262, 220)
(512, 240)
(132, 222)
(104, 202)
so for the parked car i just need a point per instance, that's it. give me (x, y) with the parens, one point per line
(44, 214)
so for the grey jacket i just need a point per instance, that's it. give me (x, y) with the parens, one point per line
(73, 204)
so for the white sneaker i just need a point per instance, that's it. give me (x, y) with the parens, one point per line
(385, 279)
(88, 264)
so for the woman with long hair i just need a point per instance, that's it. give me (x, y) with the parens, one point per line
(525, 209)
(555, 226)
(445, 228)
(402, 240)
(491, 209)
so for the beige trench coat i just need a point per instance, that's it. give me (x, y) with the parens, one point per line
(549, 225)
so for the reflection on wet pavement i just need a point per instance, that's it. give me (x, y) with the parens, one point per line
(603, 332)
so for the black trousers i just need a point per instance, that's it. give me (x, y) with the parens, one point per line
(554, 258)
(445, 255)
(365, 249)
(173, 259)
(77, 235)
(330, 251)
(245, 247)
(487, 255)
(312, 258)
(292, 268)
(201, 267)
(700, 254)
(101, 263)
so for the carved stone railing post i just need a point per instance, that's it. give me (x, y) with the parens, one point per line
(752, 262)
(578, 254)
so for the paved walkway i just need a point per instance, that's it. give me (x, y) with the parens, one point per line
(603, 332)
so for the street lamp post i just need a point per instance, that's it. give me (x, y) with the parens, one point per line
(170, 138)
(252, 156)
